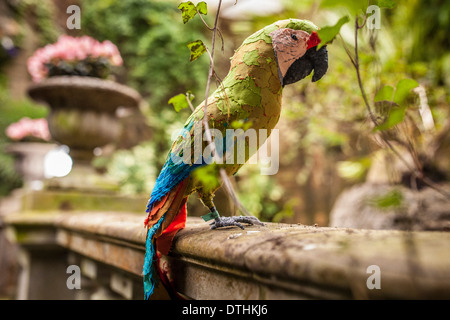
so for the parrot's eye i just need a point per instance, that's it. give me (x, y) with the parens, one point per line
(293, 36)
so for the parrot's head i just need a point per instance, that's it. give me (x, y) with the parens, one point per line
(295, 44)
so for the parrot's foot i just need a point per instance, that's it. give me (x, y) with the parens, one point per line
(234, 221)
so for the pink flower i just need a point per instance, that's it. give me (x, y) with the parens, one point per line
(26, 127)
(71, 50)
(112, 53)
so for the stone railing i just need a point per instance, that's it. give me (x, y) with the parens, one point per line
(277, 261)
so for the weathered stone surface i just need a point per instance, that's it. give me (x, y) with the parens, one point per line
(277, 261)
(57, 201)
(412, 264)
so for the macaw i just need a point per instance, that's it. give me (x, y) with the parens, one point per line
(277, 55)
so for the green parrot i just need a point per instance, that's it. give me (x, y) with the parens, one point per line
(251, 93)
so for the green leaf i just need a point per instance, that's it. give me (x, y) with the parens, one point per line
(391, 199)
(403, 88)
(208, 176)
(202, 8)
(395, 117)
(179, 102)
(384, 94)
(327, 34)
(188, 10)
(389, 4)
(352, 170)
(197, 48)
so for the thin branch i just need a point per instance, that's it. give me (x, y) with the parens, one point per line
(365, 18)
(369, 109)
(347, 51)
(212, 29)
(204, 22)
(189, 103)
(358, 75)
(211, 73)
(417, 172)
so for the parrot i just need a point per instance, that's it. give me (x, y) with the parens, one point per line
(280, 54)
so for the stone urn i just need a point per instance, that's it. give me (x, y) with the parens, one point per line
(29, 159)
(83, 116)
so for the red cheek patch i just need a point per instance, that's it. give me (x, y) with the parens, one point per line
(313, 40)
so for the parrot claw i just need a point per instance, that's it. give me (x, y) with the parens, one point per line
(234, 221)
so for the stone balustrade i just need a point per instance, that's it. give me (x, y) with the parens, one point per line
(277, 261)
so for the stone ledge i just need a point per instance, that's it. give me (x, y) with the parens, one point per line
(277, 261)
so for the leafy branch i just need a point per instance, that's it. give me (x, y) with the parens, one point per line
(386, 94)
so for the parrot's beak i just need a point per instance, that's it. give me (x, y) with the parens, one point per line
(302, 67)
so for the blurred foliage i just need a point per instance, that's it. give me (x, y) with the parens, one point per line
(264, 200)
(41, 17)
(323, 123)
(389, 200)
(18, 17)
(152, 40)
(423, 28)
(133, 168)
(12, 110)
(21, 16)
(328, 119)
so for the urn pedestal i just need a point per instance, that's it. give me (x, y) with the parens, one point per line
(29, 159)
(83, 117)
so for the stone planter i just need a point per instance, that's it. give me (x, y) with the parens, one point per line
(29, 159)
(83, 111)
(83, 114)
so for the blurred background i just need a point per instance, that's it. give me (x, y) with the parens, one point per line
(327, 142)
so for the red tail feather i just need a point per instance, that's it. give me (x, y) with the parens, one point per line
(173, 206)
(164, 241)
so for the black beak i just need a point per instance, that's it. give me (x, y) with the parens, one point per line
(302, 67)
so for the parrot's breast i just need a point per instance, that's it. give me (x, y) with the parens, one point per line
(252, 90)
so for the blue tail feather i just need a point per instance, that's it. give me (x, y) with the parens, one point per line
(149, 276)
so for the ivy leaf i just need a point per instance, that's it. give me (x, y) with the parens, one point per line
(389, 4)
(188, 10)
(395, 117)
(384, 94)
(208, 176)
(202, 8)
(403, 88)
(197, 48)
(327, 34)
(390, 200)
(179, 101)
